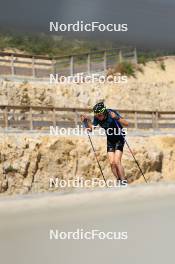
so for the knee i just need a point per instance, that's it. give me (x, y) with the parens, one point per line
(112, 163)
(117, 162)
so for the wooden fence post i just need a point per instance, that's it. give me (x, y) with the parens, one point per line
(120, 56)
(12, 65)
(88, 63)
(54, 117)
(33, 67)
(53, 67)
(135, 56)
(71, 66)
(153, 123)
(156, 119)
(136, 120)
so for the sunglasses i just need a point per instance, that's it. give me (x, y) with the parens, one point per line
(100, 112)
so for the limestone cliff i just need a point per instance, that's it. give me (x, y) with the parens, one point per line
(150, 90)
(28, 162)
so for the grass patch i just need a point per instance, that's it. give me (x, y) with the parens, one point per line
(51, 45)
(142, 60)
(10, 169)
(124, 68)
(146, 56)
(162, 66)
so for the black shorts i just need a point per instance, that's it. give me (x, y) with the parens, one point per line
(113, 146)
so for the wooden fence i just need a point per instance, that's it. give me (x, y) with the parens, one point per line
(36, 118)
(40, 67)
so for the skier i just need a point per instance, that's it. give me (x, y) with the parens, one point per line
(113, 124)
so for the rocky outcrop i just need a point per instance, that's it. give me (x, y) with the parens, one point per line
(123, 96)
(147, 91)
(28, 163)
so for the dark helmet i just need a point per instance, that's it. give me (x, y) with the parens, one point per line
(99, 108)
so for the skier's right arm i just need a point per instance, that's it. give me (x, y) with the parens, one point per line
(87, 122)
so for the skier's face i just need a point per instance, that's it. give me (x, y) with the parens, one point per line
(100, 117)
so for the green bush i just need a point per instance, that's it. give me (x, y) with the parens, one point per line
(142, 60)
(126, 68)
(162, 66)
(10, 169)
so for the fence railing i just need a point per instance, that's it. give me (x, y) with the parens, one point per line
(40, 67)
(38, 117)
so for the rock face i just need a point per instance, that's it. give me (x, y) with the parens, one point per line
(28, 163)
(123, 96)
(154, 88)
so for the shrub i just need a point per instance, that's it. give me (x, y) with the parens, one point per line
(142, 60)
(125, 68)
(162, 66)
(10, 169)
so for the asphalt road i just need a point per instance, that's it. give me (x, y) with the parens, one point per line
(146, 213)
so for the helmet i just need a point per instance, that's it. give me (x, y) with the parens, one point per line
(99, 108)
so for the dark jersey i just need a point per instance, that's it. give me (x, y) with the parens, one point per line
(111, 126)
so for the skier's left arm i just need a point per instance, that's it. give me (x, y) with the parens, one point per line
(119, 118)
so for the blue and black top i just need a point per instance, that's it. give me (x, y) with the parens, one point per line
(111, 126)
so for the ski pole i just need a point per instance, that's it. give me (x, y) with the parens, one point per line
(95, 154)
(132, 153)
